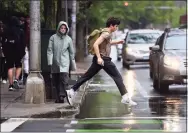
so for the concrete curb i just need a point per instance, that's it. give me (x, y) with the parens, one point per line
(50, 114)
(64, 112)
(82, 99)
(56, 112)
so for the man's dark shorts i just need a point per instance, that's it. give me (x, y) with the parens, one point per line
(13, 62)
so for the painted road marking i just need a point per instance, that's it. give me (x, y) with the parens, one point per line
(12, 124)
(116, 122)
(74, 122)
(132, 118)
(70, 130)
(113, 130)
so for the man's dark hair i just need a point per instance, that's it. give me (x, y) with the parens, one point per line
(112, 21)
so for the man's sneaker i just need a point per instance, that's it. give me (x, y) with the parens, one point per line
(127, 100)
(11, 88)
(16, 84)
(4, 81)
(70, 96)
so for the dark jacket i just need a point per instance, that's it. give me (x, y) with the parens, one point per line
(13, 32)
(27, 35)
(2, 27)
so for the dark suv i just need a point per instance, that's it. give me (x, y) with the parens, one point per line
(167, 59)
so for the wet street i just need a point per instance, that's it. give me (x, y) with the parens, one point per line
(102, 110)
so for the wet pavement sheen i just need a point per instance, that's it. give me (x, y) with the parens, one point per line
(102, 110)
(155, 112)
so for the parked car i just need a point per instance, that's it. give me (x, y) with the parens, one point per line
(136, 47)
(168, 61)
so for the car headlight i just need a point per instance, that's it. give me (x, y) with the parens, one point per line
(129, 50)
(171, 62)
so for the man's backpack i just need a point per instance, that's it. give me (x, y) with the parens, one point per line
(93, 37)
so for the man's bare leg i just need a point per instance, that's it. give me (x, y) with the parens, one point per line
(18, 72)
(10, 76)
(16, 81)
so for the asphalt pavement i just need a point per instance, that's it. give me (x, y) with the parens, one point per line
(102, 110)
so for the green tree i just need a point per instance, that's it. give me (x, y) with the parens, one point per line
(80, 28)
(176, 13)
(12, 7)
(99, 12)
(49, 13)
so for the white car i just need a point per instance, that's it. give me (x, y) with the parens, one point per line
(136, 47)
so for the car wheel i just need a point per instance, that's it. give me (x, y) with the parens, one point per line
(151, 74)
(155, 82)
(150, 71)
(164, 87)
(125, 65)
(119, 58)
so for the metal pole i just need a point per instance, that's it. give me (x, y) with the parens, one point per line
(74, 23)
(35, 90)
(35, 36)
(66, 11)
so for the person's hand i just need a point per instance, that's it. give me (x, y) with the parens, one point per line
(100, 61)
(121, 42)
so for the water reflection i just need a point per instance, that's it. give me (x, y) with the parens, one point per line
(129, 81)
(163, 106)
(102, 104)
(172, 124)
(173, 109)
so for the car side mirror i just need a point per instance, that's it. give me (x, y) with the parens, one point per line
(155, 48)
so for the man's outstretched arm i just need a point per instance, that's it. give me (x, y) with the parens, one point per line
(117, 42)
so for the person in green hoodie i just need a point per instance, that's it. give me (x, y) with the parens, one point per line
(60, 55)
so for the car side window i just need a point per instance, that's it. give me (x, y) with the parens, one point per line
(157, 42)
(160, 43)
(126, 36)
(126, 39)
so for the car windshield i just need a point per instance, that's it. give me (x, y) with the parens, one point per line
(177, 42)
(142, 38)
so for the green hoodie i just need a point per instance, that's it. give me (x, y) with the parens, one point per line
(60, 51)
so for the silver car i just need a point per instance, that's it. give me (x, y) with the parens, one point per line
(136, 47)
(168, 62)
(120, 46)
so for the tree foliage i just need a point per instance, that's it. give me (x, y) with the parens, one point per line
(17, 7)
(176, 13)
(151, 11)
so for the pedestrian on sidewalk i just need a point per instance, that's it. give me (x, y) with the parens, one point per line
(14, 51)
(3, 70)
(22, 26)
(102, 60)
(60, 55)
(27, 42)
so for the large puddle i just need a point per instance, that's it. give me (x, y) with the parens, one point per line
(102, 104)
